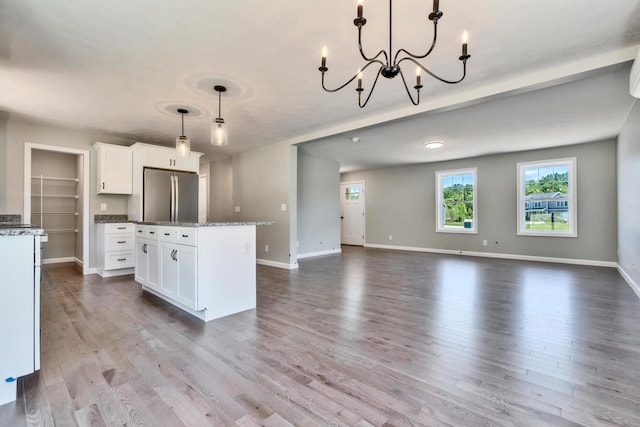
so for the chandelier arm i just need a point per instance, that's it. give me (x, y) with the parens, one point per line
(371, 91)
(433, 45)
(416, 102)
(435, 76)
(375, 61)
(365, 57)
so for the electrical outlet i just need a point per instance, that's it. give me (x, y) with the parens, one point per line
(390, 237)
(266, 248)
(103, 207)
(237, 208)
(484, 243)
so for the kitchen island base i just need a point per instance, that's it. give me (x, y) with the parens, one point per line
(207, 271)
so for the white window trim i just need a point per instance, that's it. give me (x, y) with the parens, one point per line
(572, 202)
(439, 227)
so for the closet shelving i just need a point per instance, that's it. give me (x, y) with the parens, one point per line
(66, 204)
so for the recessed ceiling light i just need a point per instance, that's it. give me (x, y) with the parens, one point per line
(433, 144)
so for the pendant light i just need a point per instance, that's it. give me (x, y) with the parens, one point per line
(183, 145)
(218, 127)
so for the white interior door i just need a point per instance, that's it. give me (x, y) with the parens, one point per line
(352, 213)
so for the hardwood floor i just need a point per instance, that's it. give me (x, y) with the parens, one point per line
(369, 337)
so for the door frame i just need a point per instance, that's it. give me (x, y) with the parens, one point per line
(364, 210)
(86, 161)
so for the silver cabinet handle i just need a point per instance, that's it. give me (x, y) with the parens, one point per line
(144, 248)
(122, 241)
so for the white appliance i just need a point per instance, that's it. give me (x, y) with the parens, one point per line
(20, 263)
(634, 80)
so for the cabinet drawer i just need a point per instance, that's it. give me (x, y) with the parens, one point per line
(168, 234)
(119, 260)
(187, 236)
(152, 233)
(120, 242)
(119, 228)
(141, 231)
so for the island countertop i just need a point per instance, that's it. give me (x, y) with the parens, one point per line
(17, 230)
(204, 224)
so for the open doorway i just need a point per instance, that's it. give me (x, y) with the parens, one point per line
(56, 198)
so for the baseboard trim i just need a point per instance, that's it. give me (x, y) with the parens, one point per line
(113, 273)
(58, 260)
(629, 280)
(319, 253)
(589, 262)
(92, 271)
(291, 266)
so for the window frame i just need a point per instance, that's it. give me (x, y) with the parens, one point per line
(571, 163)
(440, 227)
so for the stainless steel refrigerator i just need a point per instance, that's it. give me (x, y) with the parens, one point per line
(170, 196)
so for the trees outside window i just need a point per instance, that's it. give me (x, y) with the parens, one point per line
(456, 201)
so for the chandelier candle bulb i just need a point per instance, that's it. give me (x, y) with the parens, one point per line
(359, 79)
(418, 77)
(360, 6)
(324, 57)
(465, 40)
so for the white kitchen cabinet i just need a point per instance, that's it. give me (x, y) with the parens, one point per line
(209, 272)
(115, 249)
(114, 169)
(142, 261)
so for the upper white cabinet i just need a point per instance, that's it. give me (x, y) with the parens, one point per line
(114, 169)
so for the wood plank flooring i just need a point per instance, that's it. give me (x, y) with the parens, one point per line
(368, 337)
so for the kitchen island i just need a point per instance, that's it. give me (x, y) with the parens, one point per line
(206, 269)
(20, 314)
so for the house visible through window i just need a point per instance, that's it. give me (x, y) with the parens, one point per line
(547, 198)
(456, 201)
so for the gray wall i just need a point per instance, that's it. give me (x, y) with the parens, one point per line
(221, 190)
(318, 203)
(19, 132)
(629, 196)
(263, 179)
(400, 201)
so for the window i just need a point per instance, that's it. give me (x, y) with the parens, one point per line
(456, 201)
(352, 193)
(547, 198)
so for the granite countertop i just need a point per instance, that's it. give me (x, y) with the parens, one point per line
(21, 231)
(204, 224)
(108, 219)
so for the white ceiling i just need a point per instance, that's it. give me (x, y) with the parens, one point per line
(542, 73)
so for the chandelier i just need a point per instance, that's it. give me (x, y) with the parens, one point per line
(389, 62)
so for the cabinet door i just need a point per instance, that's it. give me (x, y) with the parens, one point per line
(153, 265)
(114, 170)
(187, 276)
(17, 314)
(142, 250)
(168, 270)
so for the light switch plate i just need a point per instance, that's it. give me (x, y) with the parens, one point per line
(237, 208)
(103, 207)
(283, 207)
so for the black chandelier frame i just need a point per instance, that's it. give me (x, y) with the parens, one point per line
(390, 69)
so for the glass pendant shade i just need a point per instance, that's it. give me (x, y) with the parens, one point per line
(183, 146)
(219, 132)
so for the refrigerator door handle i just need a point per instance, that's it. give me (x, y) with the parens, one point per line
(177, 202)
(172, 217)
